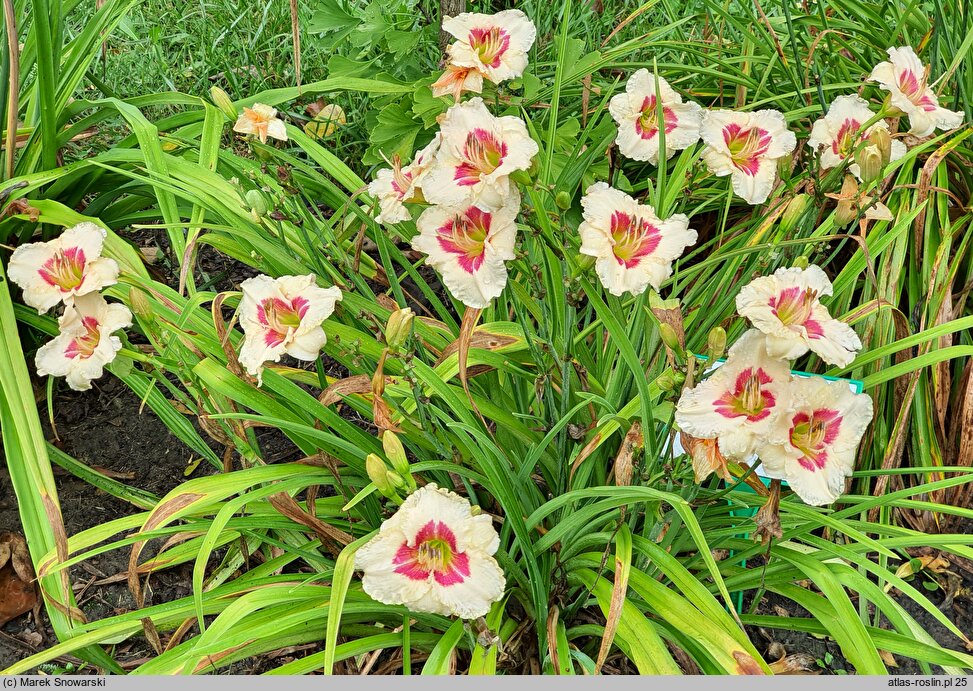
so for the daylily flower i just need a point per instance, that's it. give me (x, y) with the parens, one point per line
(707, 458)
(821, 434)
(838, 134)
(398, 185)
(746, 146)
(632, 246)
(283, 315)
(477, 156)
(455, 80)
(85, 344)
(496, 45)
(468, 247)
(261, 120)
(785, 307)
(636, 112)
(741, 402)
(64, 268)
(906, 79)
(434, 556)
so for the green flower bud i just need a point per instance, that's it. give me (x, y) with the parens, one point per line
(398, 328)
(397, 480)
(881, 139)
(256, 202)
(670, 338)
(378, 473)
(784, 166)
(801, 262)
(563, 200)
(222, 100)
(716, 343)
(794, 212)
(869, 160)
(395, 452)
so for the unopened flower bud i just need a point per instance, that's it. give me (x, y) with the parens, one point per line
(378, 473)
(666, 381)
(399, 328)
(256, 202)
(716, 343)
(794, 212)
(139, 303)
(395, 452)
(563, 200)
(396, 480)
(784, 166)
(326, 122)
(222, 100)
(881, 139)
(522, 177)
(801, 262)
(670, 338)
(869, 160)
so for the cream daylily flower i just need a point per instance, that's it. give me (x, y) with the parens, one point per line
(821, 437)
(85, 344)
(785, 307)
(455, 80)
(746, 146)
(740, 403)
(64, 268)
(283, 315)
(469, 246)
(261, 120)
(632, 246)
(636, 113)
(434, 556)
(496, 45)
(477, 156)
(906, 79)
(398, 185)
(838, 134)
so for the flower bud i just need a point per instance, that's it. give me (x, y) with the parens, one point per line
(139, 303)
(666, 381)
(670, 338)
(395, 452)
(399, 328)
(847, 206)
(794, 212)
(379, 475)
(801, 262)
(563, 200)
(881, 139)
(396, 480)
(716, 343)
(222, 100)
(522, 177)
(869, 160)
(784, 166)
(256, 202)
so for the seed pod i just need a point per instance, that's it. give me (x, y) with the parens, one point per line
(256, 202)
(563, 200)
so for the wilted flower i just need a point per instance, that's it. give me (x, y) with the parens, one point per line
(468, 247)
(64, 268)
(261, 120)
(636, 112)
(85, 344)
(398, 185)
(821, 433)
(746, 146)
(838, 134)
(707, 458)
(455, 80)
(851, 201)
(785, 307)
(740, 403)
(434, 556)
(283, 315)
(906, 79)
(477, 156)
(495, 45)
(632, 246)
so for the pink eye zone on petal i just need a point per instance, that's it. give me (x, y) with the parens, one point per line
(633, 238)
(465, 237)
(279, 316)
(844, 142)
(749, 398)
(65, 270)
(915, 90)
(793, 307)
(489, 44)
(647, 124)
(83, 347)
(434, 554)
(482, 153)
(812, 433)
(746, 146)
